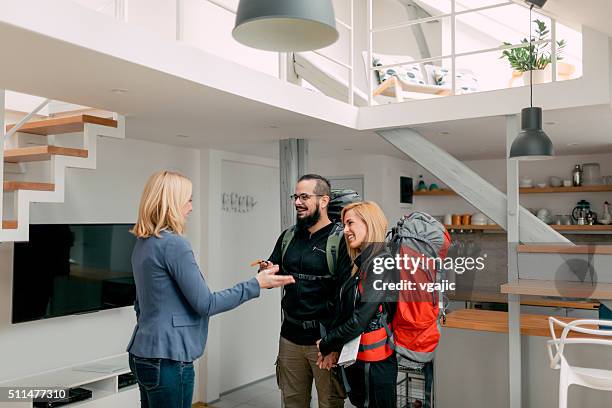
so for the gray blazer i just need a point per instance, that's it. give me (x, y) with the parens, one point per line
(173, 302)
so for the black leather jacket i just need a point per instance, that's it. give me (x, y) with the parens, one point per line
(354, 314)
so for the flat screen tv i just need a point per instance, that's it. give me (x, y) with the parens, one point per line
(72, 268)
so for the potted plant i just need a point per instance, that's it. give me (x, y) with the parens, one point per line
(536, 56)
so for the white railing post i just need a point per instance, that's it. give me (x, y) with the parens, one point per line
(179, 20)
(2, 130)
(121, 10)
(351, 98)
(453, 47)
(553, 49)
(369, 70)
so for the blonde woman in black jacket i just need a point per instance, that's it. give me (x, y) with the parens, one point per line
(366, 311)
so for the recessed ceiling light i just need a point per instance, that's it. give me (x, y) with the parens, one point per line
(444, 133)
(182, 136)
(273, 126)
(348, 149)
(550, 123)
(573, 144)
(119, 90)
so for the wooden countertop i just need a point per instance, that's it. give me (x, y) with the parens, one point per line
(497, 297)
(580, 290)
(565, 249)
(493, 321)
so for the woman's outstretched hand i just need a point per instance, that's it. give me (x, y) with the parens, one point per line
(268, 278)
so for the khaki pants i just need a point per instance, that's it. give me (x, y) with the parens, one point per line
(296, 367)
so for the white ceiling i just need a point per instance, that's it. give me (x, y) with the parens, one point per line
(159, 107)
(591, 13)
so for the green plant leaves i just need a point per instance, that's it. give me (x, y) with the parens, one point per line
(533, 56)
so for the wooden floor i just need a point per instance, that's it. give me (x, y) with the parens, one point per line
(201, 405)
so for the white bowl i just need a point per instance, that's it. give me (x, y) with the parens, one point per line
(479, 219)
(542, 185)
(567, 183)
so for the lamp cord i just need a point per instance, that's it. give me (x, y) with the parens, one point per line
(530, 60)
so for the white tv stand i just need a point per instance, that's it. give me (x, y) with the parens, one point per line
(99, 376)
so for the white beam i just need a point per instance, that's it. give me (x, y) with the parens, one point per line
(468, 184)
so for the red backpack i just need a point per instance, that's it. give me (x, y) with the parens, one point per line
(415, 324)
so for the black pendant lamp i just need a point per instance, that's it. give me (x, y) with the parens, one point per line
(285, 25)
(531, 143)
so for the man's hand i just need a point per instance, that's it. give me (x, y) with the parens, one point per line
(327, 362)
(264, 265)
(267, 278)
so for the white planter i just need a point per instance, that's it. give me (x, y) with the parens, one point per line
(540, 76)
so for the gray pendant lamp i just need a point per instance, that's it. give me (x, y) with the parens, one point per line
(531, 143)
(285, 25)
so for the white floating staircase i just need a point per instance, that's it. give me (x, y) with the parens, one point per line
(82, 130)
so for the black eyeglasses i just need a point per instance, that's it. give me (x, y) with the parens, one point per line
(304, 196)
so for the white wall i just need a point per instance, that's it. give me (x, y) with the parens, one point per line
(243, 343)
(382, 175)
(109, 194)
(494, 171)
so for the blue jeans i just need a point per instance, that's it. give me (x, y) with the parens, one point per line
(163, 383)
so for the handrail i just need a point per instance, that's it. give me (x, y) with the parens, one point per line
(26, 118)
(453, 54)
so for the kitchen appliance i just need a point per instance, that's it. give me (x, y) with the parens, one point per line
(606, 217)
(582, 214)
(591, 175)
(577, 176)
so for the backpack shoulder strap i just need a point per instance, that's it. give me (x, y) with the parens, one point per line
(287, 237)
(331, 248)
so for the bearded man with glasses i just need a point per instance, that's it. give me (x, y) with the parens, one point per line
(314, 252)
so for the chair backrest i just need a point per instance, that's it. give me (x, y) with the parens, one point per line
(576, 326)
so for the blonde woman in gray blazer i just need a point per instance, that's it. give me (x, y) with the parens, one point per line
(173, 302)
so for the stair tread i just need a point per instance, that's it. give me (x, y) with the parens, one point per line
(39, 153)
(9, 224)
(69, 124)
(28, 185)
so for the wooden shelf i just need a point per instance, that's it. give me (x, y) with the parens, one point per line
(40, 153)
(565, 289)
(27, 185)
(577, 228)
(475, 227)
(496, 297)
(581, 189)
(68, 124)
(441, 192)
(530, 190)
(565, 249)
(493, 321)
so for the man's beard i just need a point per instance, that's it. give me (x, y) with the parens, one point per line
(309, 220)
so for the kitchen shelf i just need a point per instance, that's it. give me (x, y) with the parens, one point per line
(494, 321)
(566, 289)
(581, 189)
(530, 190)
(475, 227)
(478, 296)
(574, 228)
(441, 192)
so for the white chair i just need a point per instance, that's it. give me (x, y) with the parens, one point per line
(587, 377)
